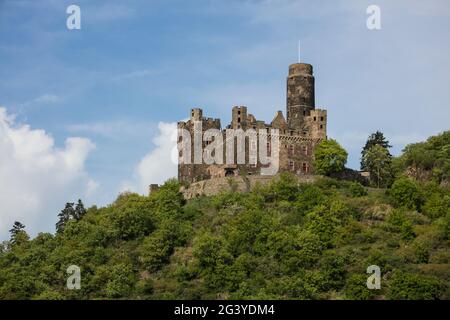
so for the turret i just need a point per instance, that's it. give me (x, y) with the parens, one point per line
(300, 98)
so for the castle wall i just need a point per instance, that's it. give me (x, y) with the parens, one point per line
(303, 128)
(214, 186)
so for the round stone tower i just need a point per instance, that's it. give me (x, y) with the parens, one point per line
(300, 94)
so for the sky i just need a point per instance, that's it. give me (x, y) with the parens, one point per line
(90, 113)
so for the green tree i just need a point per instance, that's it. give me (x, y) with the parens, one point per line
(414, 287)
(405, 192)
(377, 161)
(330, 157)
(356, 288)
(376, 138)
(120, 282)
(427, 159)
(133, 216)
(155, 251)
(80, 211)
(18, 234)
(66, 214)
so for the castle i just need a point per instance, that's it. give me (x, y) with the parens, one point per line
(298, 134)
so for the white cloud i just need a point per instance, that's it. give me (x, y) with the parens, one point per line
(37, 178)
(159, 164)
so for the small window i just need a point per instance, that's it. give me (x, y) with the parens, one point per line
(304, 112)
(315, 119)
(305, 167)
(321, 118)
(292, 165)
(305, 150)
(239, 111)
(321, 126)
(291, 149)
(239, 120)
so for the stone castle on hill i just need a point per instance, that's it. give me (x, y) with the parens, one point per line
(299, 132)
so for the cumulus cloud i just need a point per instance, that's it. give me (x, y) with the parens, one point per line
(159, 164)
(36, 177)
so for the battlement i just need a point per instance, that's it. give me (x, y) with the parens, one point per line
(299, 132)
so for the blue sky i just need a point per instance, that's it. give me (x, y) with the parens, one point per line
(136, 67)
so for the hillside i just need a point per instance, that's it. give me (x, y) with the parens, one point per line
(284, 240)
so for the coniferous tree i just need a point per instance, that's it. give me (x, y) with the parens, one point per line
(80, 210)
(68, 213)
(376, 138)
(18, 233)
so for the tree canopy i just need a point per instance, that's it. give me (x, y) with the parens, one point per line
(330, 157)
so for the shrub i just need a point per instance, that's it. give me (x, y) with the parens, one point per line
(357, 189)
(414, 287)
(356, 288)
(405, 192)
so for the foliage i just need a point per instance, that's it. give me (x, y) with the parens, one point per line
(377, 161)
(283, 240)
(357, 189)
(427, 159)
(18, 234)
(330, 157)
(375, 139)
(414, 287)
(405, 192)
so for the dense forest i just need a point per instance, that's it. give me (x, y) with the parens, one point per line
(284, 240)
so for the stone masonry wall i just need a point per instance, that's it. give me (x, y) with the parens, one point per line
(216, 185)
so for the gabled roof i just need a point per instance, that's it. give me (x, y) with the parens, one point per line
(279, 122)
